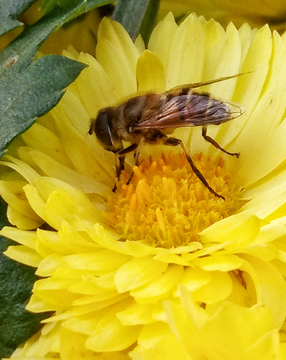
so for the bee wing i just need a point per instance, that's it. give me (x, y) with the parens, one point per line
(194, 109)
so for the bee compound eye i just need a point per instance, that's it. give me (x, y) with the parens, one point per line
(103, 128)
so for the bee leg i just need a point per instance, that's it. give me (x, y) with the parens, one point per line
(136, 157)
(120, 160)
(214, 143)
(174, 142)
(119, 166)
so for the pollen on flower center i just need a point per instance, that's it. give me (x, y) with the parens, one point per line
(166, 204)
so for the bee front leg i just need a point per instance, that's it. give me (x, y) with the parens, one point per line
(214, 143)
(136, 157)
(120, 161)
(119, 166)
(174, 142)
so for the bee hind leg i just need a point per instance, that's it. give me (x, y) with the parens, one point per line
(174, 142)
(215, 144)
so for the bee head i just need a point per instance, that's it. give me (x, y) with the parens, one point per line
(102, 127)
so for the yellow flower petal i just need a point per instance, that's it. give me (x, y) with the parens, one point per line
(54, 169)
(118, 56)
(19, 212)
(270, 287)
(255, 12)
(215, 38)
(194, 278)
(229, 63)
(78, 343)
(156, 342)
(96, 88)
(240, 229)
(242, 340)
(139, 43)
(136, 314)
(23, 169)
(186, 50)
(111, 334)
(27, 238)
(54, 292)
(268, 205)
(271, 155)
(138, 272)
(48, 265)
(103, 260)
(161, 285)
(105, 239)
(161, 39)
(218, 288)
(149, 64)
(51, 146)
(220, 263)
(24, 255)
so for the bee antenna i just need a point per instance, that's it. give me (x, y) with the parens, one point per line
(195, 85)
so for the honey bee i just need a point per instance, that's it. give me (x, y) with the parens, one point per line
(148, 118)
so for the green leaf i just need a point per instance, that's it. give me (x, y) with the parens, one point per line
(137, 16)
(48, 5)
(149, 20)
(16, 281)
(28, 91)
(9, 11)
(34, 92)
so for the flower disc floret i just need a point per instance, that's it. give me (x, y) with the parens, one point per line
(165, 203)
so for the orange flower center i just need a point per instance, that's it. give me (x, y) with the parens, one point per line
(166, 204)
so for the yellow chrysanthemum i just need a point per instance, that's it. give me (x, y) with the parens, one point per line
(255, 12)
(114, 265)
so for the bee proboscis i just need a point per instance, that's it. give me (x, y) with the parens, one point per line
(148, 118)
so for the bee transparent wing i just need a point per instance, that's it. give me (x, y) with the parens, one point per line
(194, 109)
